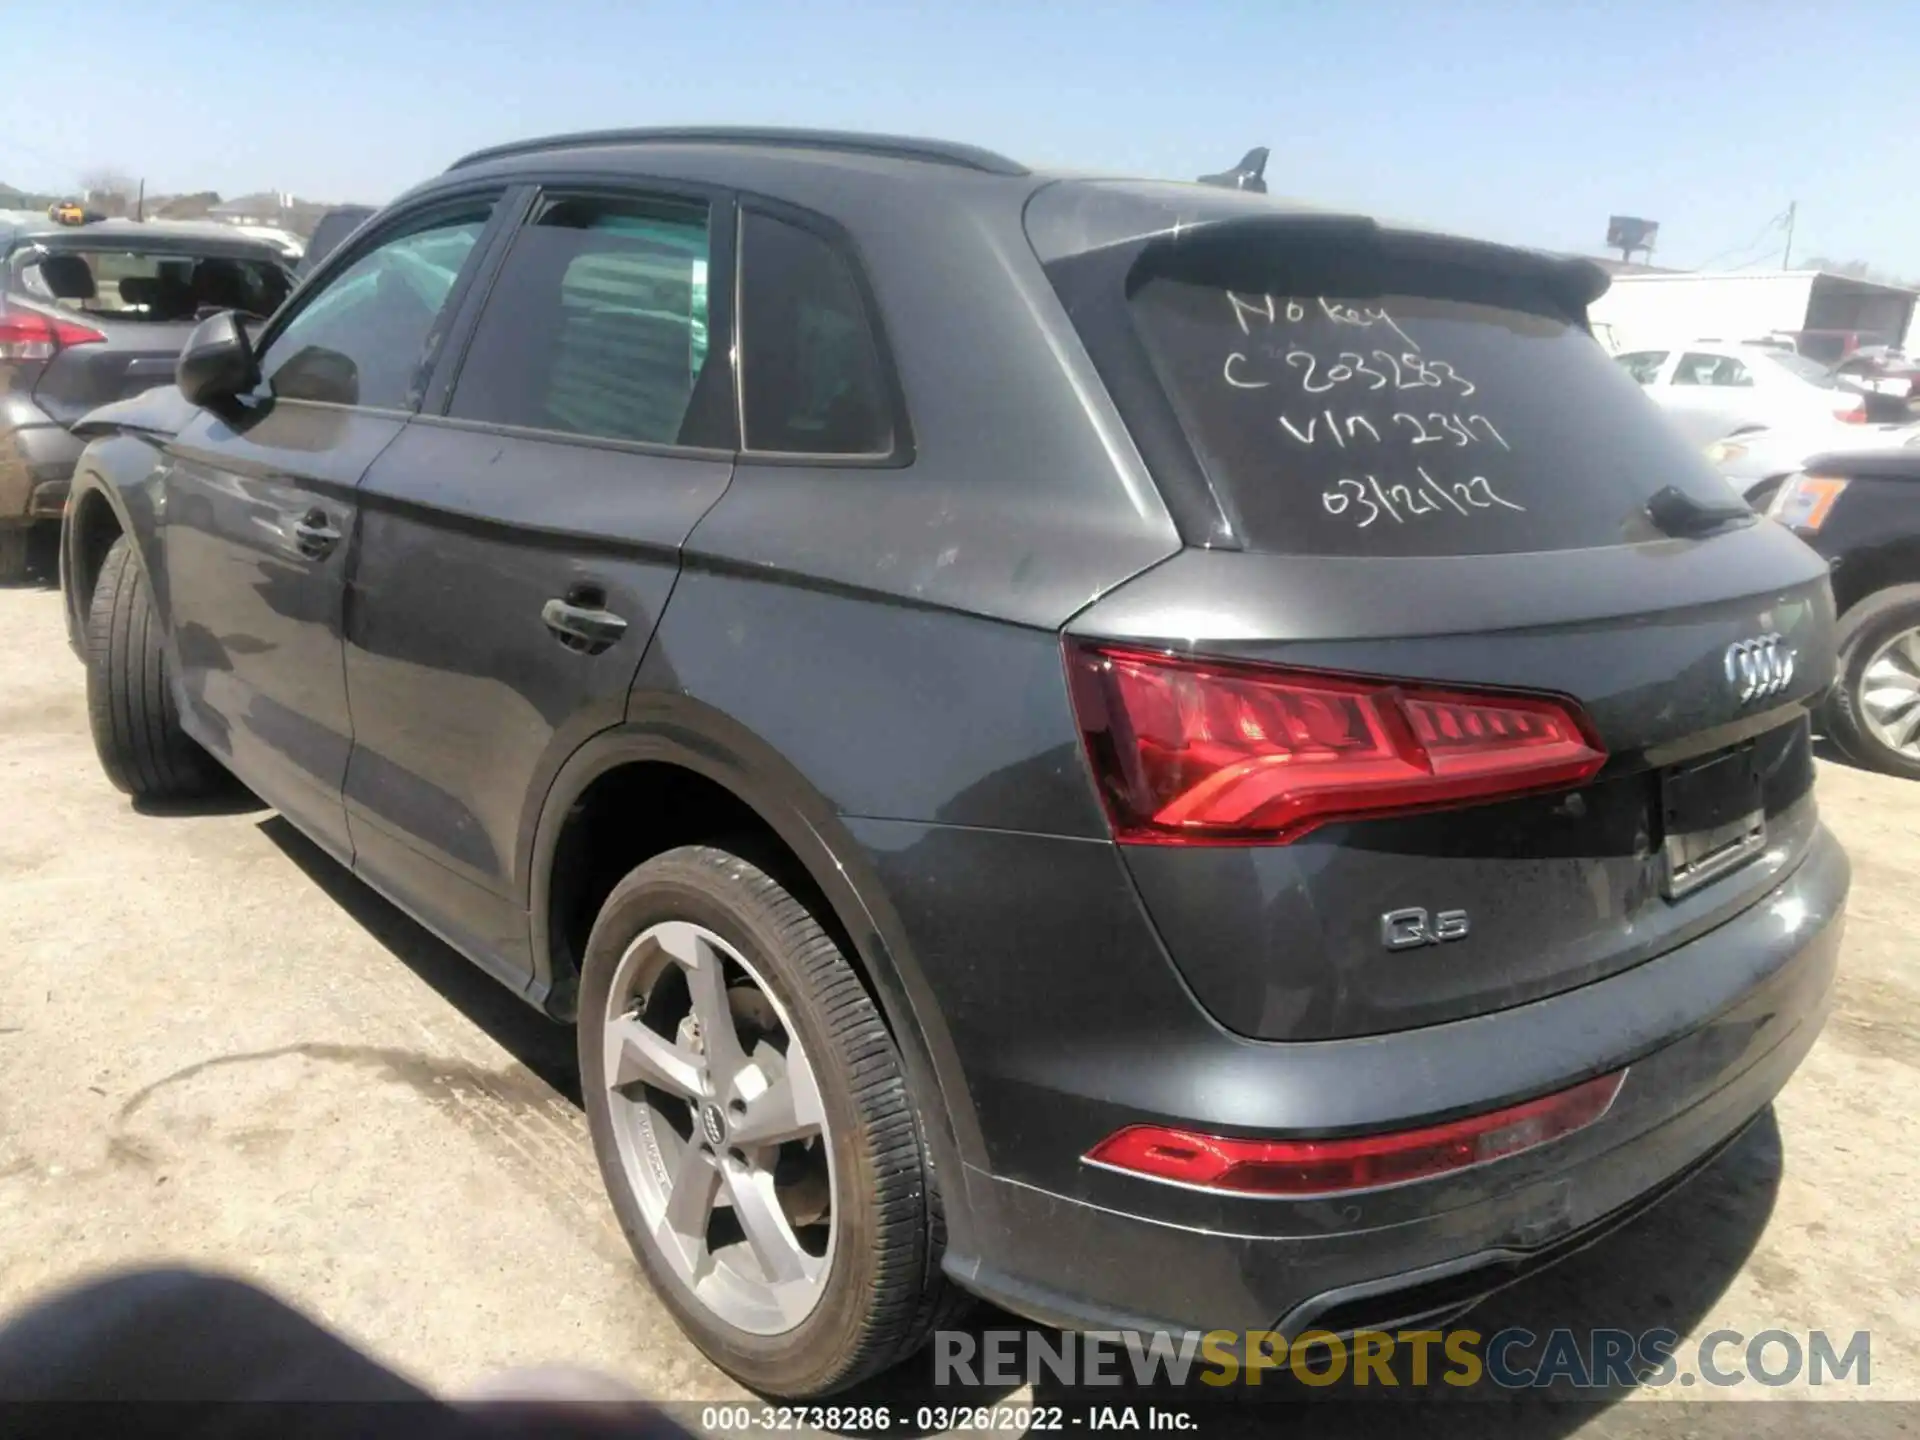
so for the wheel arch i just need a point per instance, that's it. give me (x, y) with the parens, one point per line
(108, 498)
(680, 734)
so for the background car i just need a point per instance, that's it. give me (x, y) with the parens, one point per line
(1889, 377)
(1861, 510)
(1756, 461)
(94, 314)
(329, 230)
(1710, 389)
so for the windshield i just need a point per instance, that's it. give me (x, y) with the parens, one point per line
(1381, 409)
(158, 286)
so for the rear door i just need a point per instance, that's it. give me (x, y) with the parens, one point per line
(1441, 524)
(519, 542)
(260, 508)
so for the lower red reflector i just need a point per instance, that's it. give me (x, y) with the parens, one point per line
(1361, 1162)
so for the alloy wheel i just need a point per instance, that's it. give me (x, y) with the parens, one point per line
(1890, 694)
(719, 1124)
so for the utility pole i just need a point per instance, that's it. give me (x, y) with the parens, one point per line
(1786, 260)
(140, 205)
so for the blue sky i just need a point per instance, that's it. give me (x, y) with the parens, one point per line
(1528, 122)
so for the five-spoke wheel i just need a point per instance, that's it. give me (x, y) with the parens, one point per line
(751, 1116)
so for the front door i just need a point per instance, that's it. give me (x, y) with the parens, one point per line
(260, 514)
(518, 548)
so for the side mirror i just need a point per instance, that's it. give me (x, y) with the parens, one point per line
(217, 363)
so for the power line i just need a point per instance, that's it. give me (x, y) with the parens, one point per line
(1781, 221)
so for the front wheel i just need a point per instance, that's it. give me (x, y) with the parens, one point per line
(1874, 712)
(136, 727)
(752, 1122)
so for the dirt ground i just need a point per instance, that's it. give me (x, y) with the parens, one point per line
(217, 1047)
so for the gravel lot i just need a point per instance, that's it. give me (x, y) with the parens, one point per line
(216, 1046)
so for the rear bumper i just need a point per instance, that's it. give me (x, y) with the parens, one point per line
(1710, 1031)
(36, 467)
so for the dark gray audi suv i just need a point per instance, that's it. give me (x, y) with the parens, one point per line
(1137, 750)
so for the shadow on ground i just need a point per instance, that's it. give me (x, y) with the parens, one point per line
(1664, 1271)
(530, 1037)
(43, 559)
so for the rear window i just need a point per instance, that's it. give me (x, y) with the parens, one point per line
(164, 287)
(1799, 366)
(1419, 412)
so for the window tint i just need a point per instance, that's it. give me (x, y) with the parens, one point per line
(1347, 404)
(1698, 369)
(1643, 365)
(367, 338)
(597, 324)
(810, 365)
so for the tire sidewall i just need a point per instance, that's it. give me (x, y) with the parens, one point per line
(670, 888)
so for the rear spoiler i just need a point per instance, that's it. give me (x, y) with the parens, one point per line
(1573, 281)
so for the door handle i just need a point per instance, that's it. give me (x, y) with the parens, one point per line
(581, 621)
(314, 534)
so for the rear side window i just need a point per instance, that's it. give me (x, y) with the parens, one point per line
(1356, 406)
(160, 286)
(597, 324)
(810, 373)
(1721, 370)
(1810, 371)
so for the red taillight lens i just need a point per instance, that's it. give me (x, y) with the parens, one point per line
(1856, 416)
(1201, 751)
(1364, 1162)
(29, 335)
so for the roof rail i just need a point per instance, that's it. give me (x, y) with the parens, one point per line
(939, 152)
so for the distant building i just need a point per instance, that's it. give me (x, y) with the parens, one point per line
(1647, 308)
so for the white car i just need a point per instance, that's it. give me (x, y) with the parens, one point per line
(1754, 462)
(1711, 390)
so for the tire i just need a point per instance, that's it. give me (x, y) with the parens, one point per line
(879, 1291)
(1862, 634)
(136, 727)
(16, 549)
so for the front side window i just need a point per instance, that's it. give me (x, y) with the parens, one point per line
(810, 371)
(597, 324)
(367, 339)
(1642, 365)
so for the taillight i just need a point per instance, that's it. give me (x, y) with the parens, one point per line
(1189, 751)
(1856, 416)
(1362, 1162)
(29, 335)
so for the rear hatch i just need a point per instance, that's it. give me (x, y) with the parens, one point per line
(114, 314)
(1476, 683)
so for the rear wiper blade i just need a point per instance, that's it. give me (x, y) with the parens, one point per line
(1676, 513)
